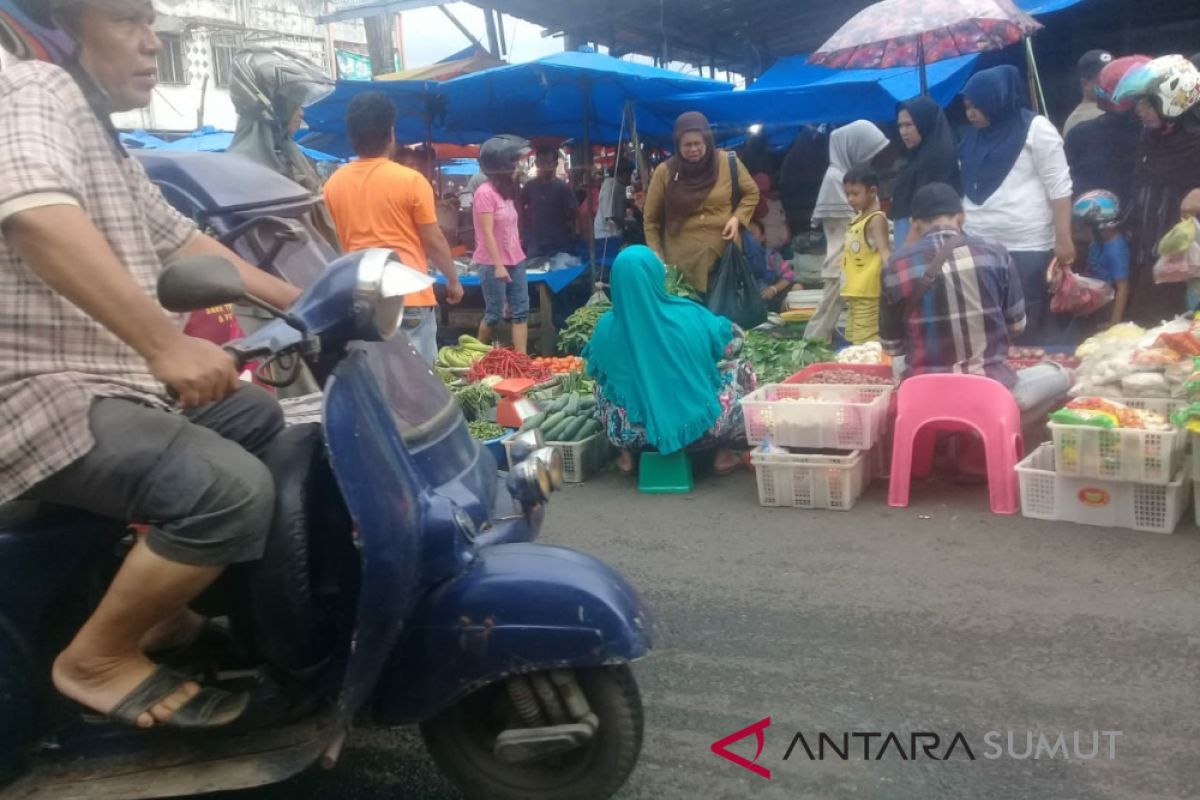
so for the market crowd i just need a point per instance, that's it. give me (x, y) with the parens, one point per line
(1010, 232)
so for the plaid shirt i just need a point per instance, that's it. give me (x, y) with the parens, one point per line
(57, 149)
(964, 321)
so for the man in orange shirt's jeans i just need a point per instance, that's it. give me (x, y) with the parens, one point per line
(376, 202)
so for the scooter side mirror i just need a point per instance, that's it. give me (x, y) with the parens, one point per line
(199, 282)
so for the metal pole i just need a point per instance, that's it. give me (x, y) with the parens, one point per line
(461, 28)
(1035, 80)
(921, 61)
(330, 46)
(587, 181)
(500, 32)
(489, 20)
(643, 165)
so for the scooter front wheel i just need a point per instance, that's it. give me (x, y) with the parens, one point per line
(463, 742)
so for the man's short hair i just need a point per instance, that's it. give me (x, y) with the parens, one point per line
(936, 200)
(863, 174)
(624, 167)
(547, 151)
(370, 120)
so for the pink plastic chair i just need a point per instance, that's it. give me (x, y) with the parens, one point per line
(933, 403)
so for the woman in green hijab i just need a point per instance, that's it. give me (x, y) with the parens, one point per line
(668, 371)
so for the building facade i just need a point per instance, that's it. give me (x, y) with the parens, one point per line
(199, 40)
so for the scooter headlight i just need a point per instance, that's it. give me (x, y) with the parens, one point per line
(379, 293)
(529, 482)
(525, 443)
(531, 445)
(551, 458)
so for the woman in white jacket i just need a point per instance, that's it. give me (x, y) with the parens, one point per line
(1018, 191)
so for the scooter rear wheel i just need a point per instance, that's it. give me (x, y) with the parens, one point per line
(461, 741)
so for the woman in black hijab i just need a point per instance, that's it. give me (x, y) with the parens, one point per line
(932, 157)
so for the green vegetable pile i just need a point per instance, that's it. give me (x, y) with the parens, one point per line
(475, 399)
(775, 358)
(678, 286)
(569, 418)
(485, 431)
(580, 327)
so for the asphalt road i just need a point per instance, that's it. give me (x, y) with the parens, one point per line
(937, 618)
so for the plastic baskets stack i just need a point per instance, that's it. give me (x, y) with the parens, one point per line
(830, 431)
(1123, 477)
(580, 459)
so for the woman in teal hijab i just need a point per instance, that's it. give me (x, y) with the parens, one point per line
(668, 373)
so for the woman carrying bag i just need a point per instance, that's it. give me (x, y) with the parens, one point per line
(689, 214)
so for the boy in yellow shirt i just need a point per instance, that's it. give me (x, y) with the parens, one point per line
(868, 247)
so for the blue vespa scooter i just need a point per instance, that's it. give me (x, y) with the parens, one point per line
(400, 585)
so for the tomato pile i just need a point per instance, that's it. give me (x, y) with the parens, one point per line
(563, 365)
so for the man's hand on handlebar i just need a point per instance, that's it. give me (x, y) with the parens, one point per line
(196, 371)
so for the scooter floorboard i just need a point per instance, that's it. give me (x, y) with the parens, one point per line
(169, 764)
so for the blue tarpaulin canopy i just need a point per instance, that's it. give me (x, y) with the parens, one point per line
(553, 95)
(141, 140)
(210, 140)
(419, 113)
(460, 167)
(794, 93)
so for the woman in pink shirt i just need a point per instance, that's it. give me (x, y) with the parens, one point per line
(498, 253)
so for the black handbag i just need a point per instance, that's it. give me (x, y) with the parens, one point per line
(733, 293)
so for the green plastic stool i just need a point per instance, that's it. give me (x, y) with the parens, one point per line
(665, 474)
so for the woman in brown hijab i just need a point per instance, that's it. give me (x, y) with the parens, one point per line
(689, 206)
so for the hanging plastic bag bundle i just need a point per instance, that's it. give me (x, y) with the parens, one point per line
(1179, 254)
(734, 294)
(1077, 294)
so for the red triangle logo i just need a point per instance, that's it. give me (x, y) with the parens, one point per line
(720, 746)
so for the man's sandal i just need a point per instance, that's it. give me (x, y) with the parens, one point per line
(210, 708)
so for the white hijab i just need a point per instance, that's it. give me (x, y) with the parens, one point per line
(850, 145)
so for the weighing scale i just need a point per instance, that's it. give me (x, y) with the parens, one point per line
(514, 408)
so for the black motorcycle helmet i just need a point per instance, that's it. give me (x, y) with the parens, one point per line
(501, 154)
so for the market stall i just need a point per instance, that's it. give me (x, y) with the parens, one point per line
(544, 283)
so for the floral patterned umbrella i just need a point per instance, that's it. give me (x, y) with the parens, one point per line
(906, 33)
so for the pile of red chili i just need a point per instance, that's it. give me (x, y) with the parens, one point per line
(508, 364)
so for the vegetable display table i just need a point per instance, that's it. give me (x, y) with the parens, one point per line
(546, 283)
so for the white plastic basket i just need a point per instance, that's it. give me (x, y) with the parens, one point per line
(580, 459)
(1121, 454)
(1047, 494)
(804, 480)
(817, 416)
(1159, 405)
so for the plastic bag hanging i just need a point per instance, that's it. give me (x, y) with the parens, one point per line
(734, 294)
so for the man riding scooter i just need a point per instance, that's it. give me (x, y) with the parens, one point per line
(85, 420)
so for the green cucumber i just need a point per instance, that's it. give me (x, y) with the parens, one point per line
(592, 428)
(556, 405)
(573, 405)
(571, 432)
(553, 421)
(533, 422)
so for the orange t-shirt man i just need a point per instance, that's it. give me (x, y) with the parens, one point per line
(376, 202)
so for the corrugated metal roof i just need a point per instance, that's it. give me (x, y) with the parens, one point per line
(746, 36)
